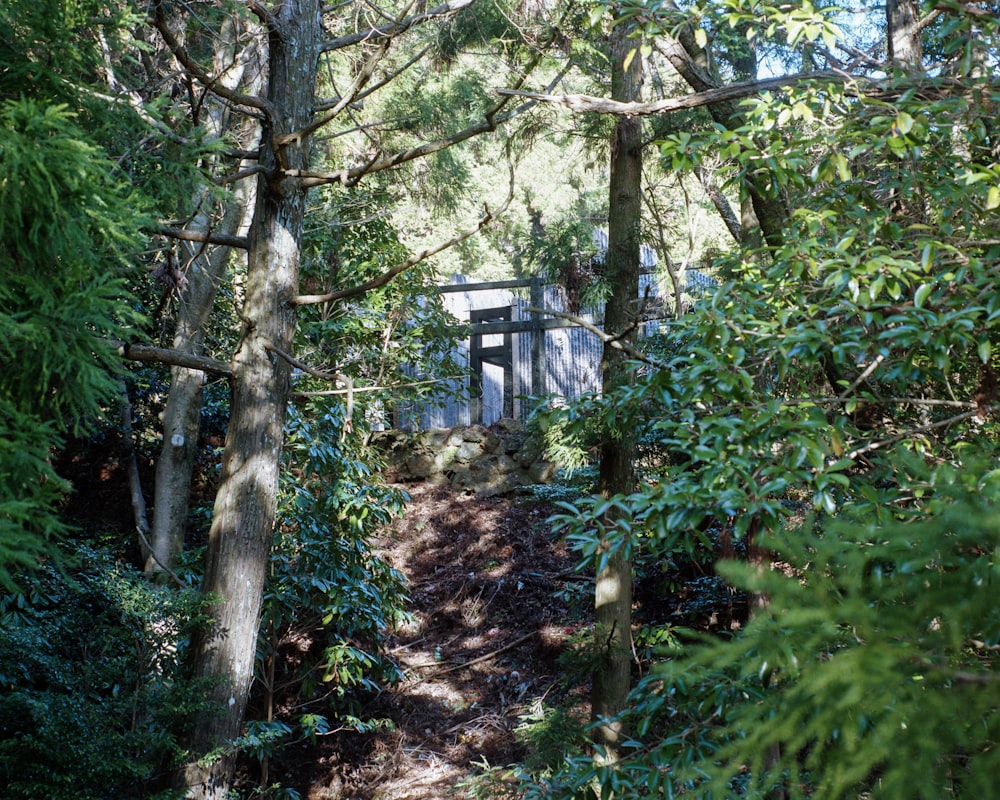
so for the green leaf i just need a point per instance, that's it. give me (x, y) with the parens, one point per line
(843, 169)
(921, 294)
(985, 350)
(993, 198)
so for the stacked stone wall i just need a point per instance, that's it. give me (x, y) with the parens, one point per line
(486, 461)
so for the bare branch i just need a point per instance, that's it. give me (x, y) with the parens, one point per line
(175, 358)
(214, 85)
(262, 13)
(398, 27)
(862, 377)
(316, 373)
(920, 429)
(239, 175)
(362, 389)
(600, 105)
(221, 239)
(362, 78)
(481, 659)
(606, 338)
(350, 176)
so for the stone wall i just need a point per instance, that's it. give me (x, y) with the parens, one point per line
(486, 461)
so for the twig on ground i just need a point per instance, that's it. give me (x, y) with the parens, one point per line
(482, 658)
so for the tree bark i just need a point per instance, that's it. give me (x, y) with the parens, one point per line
(244, 514)
(903, 41)
(182, 414)
(613, 591)
(770, 211)
(206, 270)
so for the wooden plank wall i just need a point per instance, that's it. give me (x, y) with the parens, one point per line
(572, 355)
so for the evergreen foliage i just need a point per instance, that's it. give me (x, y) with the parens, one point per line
(328, 592)
(66, 227)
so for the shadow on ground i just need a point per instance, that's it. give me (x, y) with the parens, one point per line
(492, 605)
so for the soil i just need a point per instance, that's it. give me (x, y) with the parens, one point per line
(492, 609)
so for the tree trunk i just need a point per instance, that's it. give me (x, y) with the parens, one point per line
(243, 523)
(903, 40)
(769, 212)
(613, 592)
(182, 415)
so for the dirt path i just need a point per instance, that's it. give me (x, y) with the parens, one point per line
(490, 617)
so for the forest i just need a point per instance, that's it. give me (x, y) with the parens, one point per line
(766, 561)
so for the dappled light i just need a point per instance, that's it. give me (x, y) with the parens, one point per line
(479, 652)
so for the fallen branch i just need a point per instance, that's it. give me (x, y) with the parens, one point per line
(481, 659)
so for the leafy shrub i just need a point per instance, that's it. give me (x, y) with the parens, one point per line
(329, 597)
(871, 672)
(94, 692)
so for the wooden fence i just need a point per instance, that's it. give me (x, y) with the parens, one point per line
(514, 354)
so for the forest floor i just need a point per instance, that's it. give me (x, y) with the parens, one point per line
(494, 603)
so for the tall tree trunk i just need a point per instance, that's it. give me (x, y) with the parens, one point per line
(613, 592)
(206, 270)
(763, 213)
(903, 40)
(243, 523)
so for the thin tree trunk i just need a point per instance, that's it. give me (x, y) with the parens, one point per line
(769, 211)
(244, 515)
(613, 592)
(206, 270)
(182, 414)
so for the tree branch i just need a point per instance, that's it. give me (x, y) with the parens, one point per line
(175, 358)
(600, 105)
(481, 659)
(416, 258)
(396, 28)
(316, 373)
(221, 239)
(350, 176)
(363, 389)
(606, 338)
(362, 78)
(919, 429)
(214, 85)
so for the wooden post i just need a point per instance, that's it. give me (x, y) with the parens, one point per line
(538, 388)
(495, 355)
